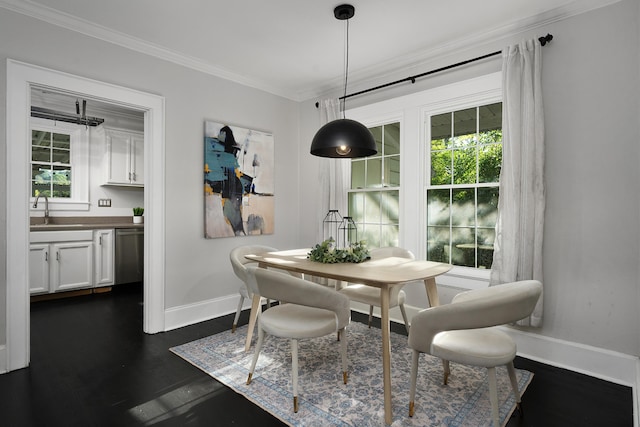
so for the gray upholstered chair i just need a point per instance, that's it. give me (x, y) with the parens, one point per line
(239, 264)
(370, 295)
(463, 332)
(311, 310)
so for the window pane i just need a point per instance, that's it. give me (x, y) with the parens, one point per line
(464, 166)
(463, 251)
(491, 118)
(389, 235)
(441, 167)
(487, 206)
(438, 207)
(392, 139)
(372, 207)
(40, 138)
(463, 207)
(356, 207)
(440, 131)
(392, 171)
(464, 122)
(377, 136)
(489, 163)
(357, 174)
(61, 141)
(390, 207)
(438, 244)
(61, 156)
(40, 154)
(371, 235)
(374, 172)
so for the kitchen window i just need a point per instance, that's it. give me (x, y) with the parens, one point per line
(60, 164)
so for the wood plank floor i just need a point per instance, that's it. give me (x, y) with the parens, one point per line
(93, 366)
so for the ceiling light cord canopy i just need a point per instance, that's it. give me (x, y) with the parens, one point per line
(344, 138)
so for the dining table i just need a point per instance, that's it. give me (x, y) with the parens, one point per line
(385, 274)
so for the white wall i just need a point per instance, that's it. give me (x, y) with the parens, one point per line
(592, 232)
(196, 269)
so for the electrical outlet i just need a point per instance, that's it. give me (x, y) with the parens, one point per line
(105, 203)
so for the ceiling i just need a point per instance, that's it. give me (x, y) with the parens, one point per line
(295, 48)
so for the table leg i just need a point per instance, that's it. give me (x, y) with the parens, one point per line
(386, 352)
(253, 315)
(432, 292)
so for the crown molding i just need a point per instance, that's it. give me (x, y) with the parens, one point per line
(69, 22)
(362, 77)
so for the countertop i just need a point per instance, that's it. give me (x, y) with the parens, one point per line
(82, 223)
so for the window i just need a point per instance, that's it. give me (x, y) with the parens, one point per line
(60, 164)
(51, 171)
(465, 157)
(374, 194)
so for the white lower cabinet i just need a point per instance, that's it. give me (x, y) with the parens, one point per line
(60, 261)
(103, 243)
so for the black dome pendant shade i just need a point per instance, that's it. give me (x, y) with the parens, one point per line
(344, 138)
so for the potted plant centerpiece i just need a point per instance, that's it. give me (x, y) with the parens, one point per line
(137, 215)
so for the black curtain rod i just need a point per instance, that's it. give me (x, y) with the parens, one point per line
(543, 41)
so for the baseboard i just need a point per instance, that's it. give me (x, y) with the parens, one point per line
(3, 359)
(185, 315)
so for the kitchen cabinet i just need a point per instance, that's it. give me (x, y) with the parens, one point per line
(124, 158)
(103, 241)
(60, 261)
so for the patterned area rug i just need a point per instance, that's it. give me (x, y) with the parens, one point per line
(324, 399)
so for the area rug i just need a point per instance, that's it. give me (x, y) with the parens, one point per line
(323, 398)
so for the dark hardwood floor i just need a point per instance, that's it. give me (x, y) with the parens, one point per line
(91, 365)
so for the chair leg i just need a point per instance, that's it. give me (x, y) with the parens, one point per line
(256, 353)
(342, 333)
(514, 384)
(294, 372)
(493, 396)
(238, 310)
(414, 378)
(447, 371)
(404, 316)
(370, 315)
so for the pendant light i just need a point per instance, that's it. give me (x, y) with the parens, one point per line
(344, 138)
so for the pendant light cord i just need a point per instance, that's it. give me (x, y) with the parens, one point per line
(346, 70)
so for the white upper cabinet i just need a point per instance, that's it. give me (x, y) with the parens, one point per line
(124, 158)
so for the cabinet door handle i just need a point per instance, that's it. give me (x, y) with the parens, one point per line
(46, 256)
(100, 241)
(57, 256)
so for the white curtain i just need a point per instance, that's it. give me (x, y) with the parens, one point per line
(333, 177)
(519, 227)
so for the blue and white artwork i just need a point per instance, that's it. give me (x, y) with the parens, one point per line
(238, 181)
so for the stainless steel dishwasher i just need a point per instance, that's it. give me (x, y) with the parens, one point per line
(129, 255)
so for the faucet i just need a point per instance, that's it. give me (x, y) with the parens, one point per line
(46, 207)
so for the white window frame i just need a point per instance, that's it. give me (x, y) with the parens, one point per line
(79, 157)
(413, 112)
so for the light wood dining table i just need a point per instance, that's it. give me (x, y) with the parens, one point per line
(385, 274)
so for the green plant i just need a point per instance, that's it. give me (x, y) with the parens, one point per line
(138, 211)
(325, 252)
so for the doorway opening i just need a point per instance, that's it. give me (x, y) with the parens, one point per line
(21, 78)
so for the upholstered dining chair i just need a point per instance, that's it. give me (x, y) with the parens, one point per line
(369, 295)
(310, 310)
(464, 332)
(239, 264)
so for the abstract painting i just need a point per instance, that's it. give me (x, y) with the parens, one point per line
(238, 181)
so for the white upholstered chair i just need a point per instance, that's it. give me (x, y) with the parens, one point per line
(370, 295)
(310, 310)
(239, 264)
(463, 332)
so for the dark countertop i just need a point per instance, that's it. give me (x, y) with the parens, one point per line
(82, 223)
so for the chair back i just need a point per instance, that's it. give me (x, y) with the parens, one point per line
(238, 260)
(481, 308)
(391, 251)
(283, 287)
